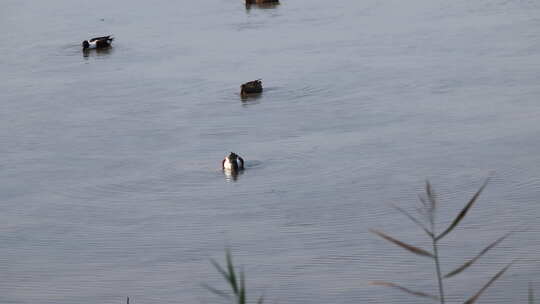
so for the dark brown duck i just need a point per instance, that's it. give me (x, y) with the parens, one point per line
(262, 1)
(252, 87)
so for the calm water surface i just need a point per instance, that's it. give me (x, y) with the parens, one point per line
(110, 181)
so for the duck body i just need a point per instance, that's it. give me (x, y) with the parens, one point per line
(232, 162)
(97, 42)
(262, 2)
(252, 87)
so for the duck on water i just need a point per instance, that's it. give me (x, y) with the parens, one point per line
(262, 3)
(248, 2)
(232, 162)
(97, 42)
(251, 87)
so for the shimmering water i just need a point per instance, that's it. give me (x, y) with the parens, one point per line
(110, 181)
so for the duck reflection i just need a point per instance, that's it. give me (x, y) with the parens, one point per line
(250, 99)
(232, 176)
(261, 4)
(96, 52)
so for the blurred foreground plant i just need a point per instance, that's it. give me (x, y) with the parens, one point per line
(427, 223)
(230, 274)
(531, 294)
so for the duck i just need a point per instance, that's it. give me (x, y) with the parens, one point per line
(251, 87)
(232, 162)
(248, 2)
(97, 42)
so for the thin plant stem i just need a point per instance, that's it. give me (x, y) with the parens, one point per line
(436, 254)
(428, 211)
(439, 276)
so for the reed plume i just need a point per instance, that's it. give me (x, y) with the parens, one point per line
(427, 210)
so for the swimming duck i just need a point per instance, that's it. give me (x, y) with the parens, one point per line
(233, 162)
(252, 87)
(262, 2)
(97, 42)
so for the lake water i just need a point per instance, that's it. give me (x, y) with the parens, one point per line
(110, 180)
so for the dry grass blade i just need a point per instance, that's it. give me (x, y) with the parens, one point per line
(408, 247)
(237, 283)
(222, 271)
(422, 200)
(412, 292)
(493, 279)
(412, 218)
(431, 196)
(232, 276)
(531, 294)
(215, 291)
(242, 295)
(463, 212)
(479, 255)
(228, 274)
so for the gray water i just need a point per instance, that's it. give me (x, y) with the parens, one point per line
(110, 180)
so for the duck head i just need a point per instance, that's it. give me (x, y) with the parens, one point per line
(232, 157)
(85, 44)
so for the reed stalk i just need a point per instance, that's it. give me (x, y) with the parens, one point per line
(427, 210)
(235, 279)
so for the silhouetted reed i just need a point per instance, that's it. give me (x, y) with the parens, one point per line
(238, 286)
(531, 294)
(427, 211)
